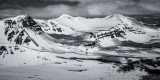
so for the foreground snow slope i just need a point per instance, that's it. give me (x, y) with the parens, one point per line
(72, 70)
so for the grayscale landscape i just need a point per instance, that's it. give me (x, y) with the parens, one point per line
(79, 40)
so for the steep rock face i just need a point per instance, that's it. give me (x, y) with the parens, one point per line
(53, 27)
(23, 21)
(15, 31)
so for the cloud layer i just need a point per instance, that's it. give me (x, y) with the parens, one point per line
(51, 8)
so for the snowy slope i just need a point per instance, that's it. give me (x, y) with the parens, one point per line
(84, 24)
(15, 55)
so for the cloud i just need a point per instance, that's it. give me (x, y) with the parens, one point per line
(124, 7)
(56, 10)
(48, 11)
(5, 4)
(10, 12)
(101, 8)
(88, 8)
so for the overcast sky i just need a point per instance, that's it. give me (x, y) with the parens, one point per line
(49, 8)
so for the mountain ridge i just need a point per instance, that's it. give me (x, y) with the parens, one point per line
(115, 26)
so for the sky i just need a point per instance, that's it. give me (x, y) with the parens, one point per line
(53, 8)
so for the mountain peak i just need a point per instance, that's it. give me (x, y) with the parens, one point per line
(17, 17)
(66, 16)
(23, 21)
(118, 15)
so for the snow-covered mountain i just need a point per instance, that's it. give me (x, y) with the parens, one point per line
(112, 29)
(73, 45)
(23, 35)
(23, 30)
(107, 31)
(33, 35)
(15, 30)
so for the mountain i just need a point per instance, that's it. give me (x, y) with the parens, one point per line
(115, 44)
(24, 34)
(112, 29)
(24, 40)
(107, 31)
(128, 29)
(14, 30)
(23, 30)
